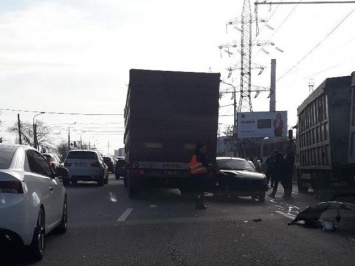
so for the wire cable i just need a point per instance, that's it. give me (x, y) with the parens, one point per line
(314, 48)
(56, 113)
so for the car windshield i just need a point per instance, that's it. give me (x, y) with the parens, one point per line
(234, 164)
(107, 159)
(6, 155)
(84, 155)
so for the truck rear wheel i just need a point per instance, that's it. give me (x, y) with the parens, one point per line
(132, 189)
(301, 188)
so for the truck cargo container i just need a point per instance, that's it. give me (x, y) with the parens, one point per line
(166, 114)
(326, 139)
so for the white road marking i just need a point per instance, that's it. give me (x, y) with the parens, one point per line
(113, 197)
(124, 216)
(288, 215)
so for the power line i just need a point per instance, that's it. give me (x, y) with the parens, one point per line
(57, 113)
(304, 3)
(314, 48)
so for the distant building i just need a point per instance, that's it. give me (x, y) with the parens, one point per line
(120, 152)
(225, 146)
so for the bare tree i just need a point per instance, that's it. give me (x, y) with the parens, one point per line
(44, 138)
(62, 149)
(228, 131)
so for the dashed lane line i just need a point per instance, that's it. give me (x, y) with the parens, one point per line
(124, 216)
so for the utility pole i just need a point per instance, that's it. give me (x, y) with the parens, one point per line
(246, 46)
(245, 66)
(35, 130)
(69, 135)
(273, 86)
(19, 129)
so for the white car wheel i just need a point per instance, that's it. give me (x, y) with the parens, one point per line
(36, 248)
(62, 227)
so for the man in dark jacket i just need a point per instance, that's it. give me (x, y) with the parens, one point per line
(278, 171)
(289, 165)
(269, 168)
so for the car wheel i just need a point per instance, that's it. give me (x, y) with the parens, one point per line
(125, 182)
(132, 189)
(36, 249)
(74, 182)
(101, 182)
(66, 182)
(301, 188)
(261, 196)
(106, 181)
(117, 177)
(62, 227)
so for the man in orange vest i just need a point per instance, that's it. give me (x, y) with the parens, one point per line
(199, 174)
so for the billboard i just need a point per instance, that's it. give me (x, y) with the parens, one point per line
(262, 124)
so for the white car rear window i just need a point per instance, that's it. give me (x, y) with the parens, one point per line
(6, 155)
(83, 155)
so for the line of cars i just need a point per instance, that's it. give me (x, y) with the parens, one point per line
(33, 200)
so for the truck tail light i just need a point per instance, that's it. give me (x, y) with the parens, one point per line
(11, 187)
(137, 171)
(95, 164)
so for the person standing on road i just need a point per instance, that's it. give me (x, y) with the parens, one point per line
(199, 174)
(269, 167)
(289, 164)
(278, 171)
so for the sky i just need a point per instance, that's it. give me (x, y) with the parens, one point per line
(71, 58)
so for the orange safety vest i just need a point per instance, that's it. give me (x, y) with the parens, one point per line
(196, 167)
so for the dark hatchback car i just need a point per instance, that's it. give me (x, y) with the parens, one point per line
(121, 168)
(237, 176)
(53, 160)
(110, 162)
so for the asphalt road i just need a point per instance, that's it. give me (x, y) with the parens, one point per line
(161, 227)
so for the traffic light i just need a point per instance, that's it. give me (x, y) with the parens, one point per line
(0, 140)
(74, 143)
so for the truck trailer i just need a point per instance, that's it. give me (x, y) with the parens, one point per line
(326, 139)
(166, 114)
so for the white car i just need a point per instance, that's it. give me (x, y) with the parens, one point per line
(85, 165)
(33, 200)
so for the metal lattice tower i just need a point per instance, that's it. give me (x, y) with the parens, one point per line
(245, 103)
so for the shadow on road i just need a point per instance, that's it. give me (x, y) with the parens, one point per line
(174, 196)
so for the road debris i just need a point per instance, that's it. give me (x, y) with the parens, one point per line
(312, 214)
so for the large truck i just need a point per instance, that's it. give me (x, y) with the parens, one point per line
(166, 114)
(326, 139)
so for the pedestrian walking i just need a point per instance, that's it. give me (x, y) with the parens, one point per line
(269, 167)
(199, 174)
(278, 171)
(259, 165)
(289, 165)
